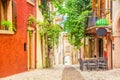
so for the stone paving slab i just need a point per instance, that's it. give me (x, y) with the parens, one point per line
(71, 73)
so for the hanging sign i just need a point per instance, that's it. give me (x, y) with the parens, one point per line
(101, 32)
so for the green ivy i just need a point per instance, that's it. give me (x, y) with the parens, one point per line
(77, 12)
(31, 20)
(47, 27)
(52, 31)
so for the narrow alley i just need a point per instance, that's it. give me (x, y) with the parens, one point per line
(59, 39)
(62, 72)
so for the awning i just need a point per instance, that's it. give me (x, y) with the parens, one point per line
(92, 30)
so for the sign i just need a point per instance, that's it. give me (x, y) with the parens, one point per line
(101, 32)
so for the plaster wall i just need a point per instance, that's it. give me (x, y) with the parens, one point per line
(116, 33)
(13, 57)
(39, 54)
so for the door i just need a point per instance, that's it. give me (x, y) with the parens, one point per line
(31, 50)
(100, 47)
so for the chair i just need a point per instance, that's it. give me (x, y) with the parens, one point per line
(92, 64)
(83, 63)
(102, 63)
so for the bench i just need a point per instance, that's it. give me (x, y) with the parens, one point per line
(96, 64)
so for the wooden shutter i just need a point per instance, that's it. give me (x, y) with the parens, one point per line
(14, 14)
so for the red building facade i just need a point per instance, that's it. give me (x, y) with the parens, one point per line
(14, 46)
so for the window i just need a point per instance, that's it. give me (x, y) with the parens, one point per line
(7, 16)
(31, 1)
(3, 11)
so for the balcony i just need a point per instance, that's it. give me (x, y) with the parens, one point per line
(92, 21)
(100, 17)
(95, 21)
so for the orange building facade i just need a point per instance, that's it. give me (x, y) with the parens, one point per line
(15, 43)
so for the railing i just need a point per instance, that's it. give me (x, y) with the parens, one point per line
(92, 21)
(99, 14)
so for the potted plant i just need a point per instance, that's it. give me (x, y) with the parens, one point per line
(31, 20)
(6, 25)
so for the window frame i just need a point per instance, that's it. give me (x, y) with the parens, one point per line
(31, 2)
(6, 16)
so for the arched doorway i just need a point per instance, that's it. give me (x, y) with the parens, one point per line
(67, 60)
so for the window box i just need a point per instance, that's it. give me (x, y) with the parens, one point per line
(6, 32)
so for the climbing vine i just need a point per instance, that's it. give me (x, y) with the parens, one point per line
(76, 13)
(47, 27)
(52, 31)
(30, 22)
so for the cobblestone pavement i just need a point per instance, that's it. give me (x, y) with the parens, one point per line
(113, 74)
(71, 73)
(39, 74)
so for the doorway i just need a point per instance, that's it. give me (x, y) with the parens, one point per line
(100, 47)
(31, 50)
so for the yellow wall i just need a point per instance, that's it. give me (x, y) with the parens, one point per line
(39, 53)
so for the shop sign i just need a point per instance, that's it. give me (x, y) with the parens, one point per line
(101, 32)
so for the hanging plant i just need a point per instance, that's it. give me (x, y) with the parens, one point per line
(31, 20)
(42, 27)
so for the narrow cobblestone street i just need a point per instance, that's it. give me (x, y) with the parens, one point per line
(62, 72)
